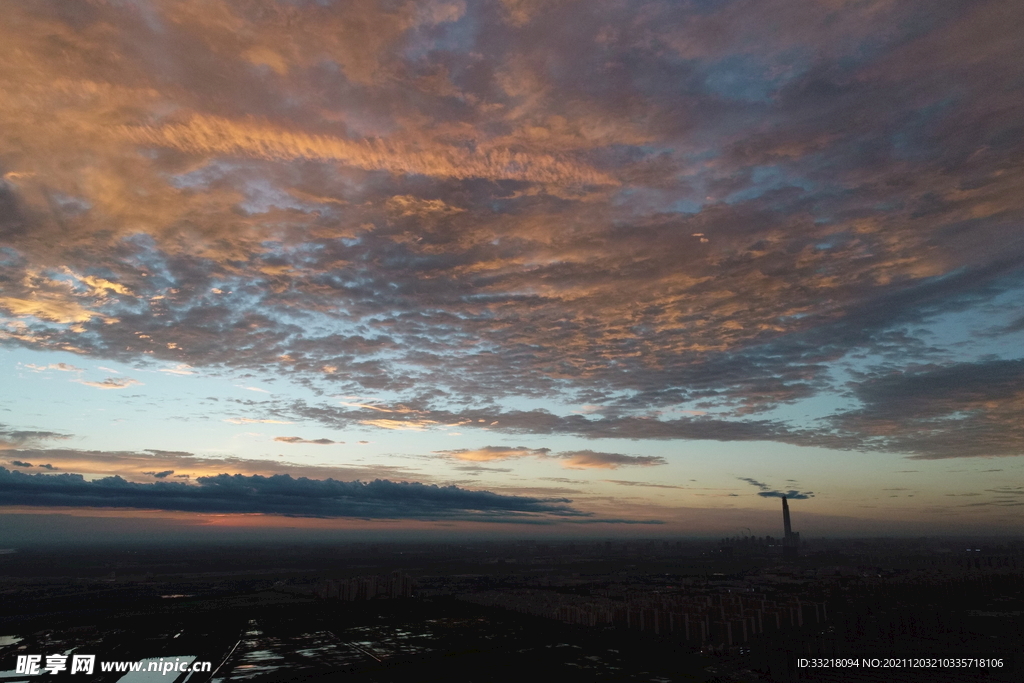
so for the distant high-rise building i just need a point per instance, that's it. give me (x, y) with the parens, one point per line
(791, 541)
(787, 525)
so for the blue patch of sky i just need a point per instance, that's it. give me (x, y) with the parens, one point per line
(955, 337)
(451, 36)
(740, 77)
(146, 415)
(912, 141)
(808, 412)
(619, 403)
(971, 334)
(765, 179)
(68, 204)
(641, 201)
(304, 253)
(640, 151)
(261, 196)
(553, 405)
(63, 276)
(832, 241)
(686, 206)
(204, 176)
(9, 256)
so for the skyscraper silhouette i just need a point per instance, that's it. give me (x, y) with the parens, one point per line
(791, 541)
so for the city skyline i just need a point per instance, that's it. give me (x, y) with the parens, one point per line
(515, 268)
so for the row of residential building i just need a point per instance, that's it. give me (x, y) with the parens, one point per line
(394, 585)
(699, 619)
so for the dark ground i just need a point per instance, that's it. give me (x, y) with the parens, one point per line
(254, 614)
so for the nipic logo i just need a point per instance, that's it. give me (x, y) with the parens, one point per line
(31, 664)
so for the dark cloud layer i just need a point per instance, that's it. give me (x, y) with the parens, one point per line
(584, 459)
(645, 484)
(299, 439)
(587, 459)
(767, 491)
(791, 494)
(960, 410)
(280, 495)
(18, 438)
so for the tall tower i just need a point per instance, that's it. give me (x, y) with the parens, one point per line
(785, 517)
(791, 541)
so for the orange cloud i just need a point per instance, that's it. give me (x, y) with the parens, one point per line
(63, 367)
(582, 460)
(410, 425)
(492, 453)
(51, 307)
(111, 383)
(203, 134)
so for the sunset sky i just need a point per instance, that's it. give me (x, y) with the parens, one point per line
(512, 268)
